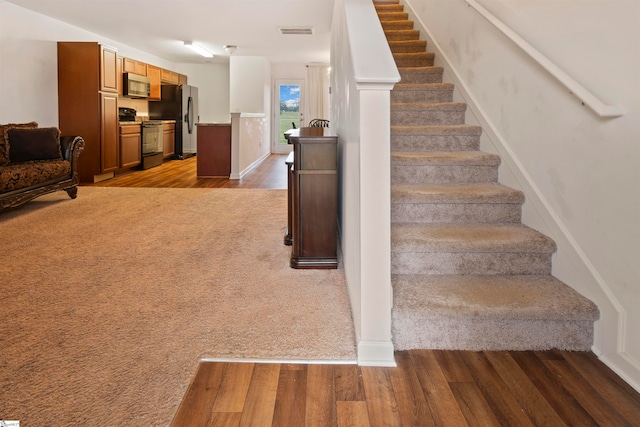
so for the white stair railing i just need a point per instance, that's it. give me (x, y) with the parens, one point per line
(575, 88)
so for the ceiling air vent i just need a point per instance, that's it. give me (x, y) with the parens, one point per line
(296, 31)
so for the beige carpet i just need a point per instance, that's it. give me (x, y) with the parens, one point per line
(110, 300)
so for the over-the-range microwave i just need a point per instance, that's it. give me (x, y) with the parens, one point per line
(136, 86)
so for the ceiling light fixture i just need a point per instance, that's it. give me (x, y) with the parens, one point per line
(230, 48)
(199, 49)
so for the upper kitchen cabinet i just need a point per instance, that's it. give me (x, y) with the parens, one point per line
(132, 66)
(88, 105)
(182, 79)
(109, 70)
(167, 76)
(154, 73)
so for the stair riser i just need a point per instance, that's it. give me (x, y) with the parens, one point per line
(427, 117)
(397, 25)
(421, 96)
(434, 142)
(456, 213)
(437, 263)
(421, 77)
(392, 16)
(402, 35)
(449, 174)
(413, 61)
(468, 333)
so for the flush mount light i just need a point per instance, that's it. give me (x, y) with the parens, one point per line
(230, 48)
(199, 49)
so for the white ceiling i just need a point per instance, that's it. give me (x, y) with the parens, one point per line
(160, 27)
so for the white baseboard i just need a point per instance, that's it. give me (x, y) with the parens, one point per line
(252, 166)
(376, 353)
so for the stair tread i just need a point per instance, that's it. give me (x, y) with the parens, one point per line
(437, 130)
(493, 297)
(467, 158)
(455, 193)
(465, 238)
(407, 42)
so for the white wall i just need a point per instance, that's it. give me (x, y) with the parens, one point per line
(248, 75)
(29, 65)
(212, 81)
(580, 172)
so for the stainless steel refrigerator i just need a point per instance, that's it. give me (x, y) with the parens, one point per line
(179, 103)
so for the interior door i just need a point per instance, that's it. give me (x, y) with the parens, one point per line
(288, 111)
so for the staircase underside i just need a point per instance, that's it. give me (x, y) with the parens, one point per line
(466, 273)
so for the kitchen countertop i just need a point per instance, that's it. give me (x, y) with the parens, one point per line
(214, 124)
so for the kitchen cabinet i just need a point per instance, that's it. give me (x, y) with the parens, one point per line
(132, 66)
(168, 139)
(153, 73)
(167, 76)
(314, 200)
(214, 150)
(88, 105)
(130, 145)
(182, 79)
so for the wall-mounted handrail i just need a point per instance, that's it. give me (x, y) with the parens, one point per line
(587, 98)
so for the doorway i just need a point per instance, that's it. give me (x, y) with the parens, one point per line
(288, 111)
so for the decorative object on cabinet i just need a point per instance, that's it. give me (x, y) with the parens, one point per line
(36, 161)
(319, 123)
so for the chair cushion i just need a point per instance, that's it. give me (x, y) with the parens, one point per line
(23, 175)
(24, 144)
(4, 153)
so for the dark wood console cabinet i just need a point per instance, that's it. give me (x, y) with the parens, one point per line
(314, 199)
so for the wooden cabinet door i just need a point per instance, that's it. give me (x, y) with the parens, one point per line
(182, 79)
(169, 76)
(132, 66)
(109, 132)
(154, 77)
(108, 69)
(130, 146)
(168, 139)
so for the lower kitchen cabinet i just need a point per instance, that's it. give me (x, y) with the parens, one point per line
(214, 150)
(130, 145)
(168, 139)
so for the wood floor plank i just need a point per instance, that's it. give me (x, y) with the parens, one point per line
(568, 408)
(381, 402)
(443, 404)
(412, 405)
(348, 383)
(474, 406)
(498, 395)
(524, 391)
(352, 414)
(261, 398)
(233, 388)
(453, 368)
(195, 409)
(224, 419)
(620, 395)
(601, 410)
(320, 408)
(291, 397)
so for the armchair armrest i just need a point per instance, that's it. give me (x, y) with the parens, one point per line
(71, 147)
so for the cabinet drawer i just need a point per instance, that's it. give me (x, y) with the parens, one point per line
(129, 129)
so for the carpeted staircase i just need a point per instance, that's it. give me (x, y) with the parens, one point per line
(466, 273)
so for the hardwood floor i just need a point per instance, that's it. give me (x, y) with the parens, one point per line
(428, 388)
(271, 173)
